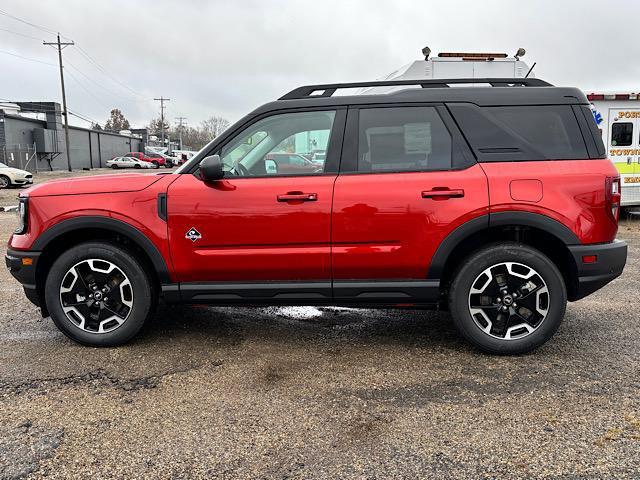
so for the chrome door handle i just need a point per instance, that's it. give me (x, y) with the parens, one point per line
(443, 193)
(298, 197)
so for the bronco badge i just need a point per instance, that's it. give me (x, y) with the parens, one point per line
(193, 234)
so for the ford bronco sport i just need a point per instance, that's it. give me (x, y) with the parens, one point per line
(495, 201)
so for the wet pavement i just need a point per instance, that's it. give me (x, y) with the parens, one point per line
(321, 393)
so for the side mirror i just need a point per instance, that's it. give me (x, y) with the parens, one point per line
(211, 169)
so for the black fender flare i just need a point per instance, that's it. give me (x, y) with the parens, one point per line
(484, 222)
(107, 223)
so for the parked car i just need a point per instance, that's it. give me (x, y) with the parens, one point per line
(129, 162)
(11, 177)
(495, 202)
(292, 163)
(319, 157)
(154, 158)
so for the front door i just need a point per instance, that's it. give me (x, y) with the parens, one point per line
(404, 185)
(258, 224)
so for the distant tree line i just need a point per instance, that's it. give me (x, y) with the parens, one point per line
(193, 137)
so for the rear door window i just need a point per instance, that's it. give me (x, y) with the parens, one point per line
(402, 139)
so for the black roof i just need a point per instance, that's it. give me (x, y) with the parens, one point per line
(499, 92)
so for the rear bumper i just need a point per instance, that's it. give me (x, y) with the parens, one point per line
(25, 274)
(609, 264)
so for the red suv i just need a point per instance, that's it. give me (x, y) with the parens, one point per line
(155, 158)
(496, 202)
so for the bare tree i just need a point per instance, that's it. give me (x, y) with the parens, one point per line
(213, 127)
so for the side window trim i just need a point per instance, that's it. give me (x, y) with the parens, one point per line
(461, 155)
(332, 161)
(595, 147)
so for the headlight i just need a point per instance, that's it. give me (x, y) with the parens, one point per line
(23, 216)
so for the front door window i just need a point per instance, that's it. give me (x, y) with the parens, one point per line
(283, 144)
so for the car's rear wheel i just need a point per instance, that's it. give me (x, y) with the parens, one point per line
(98, 294)
(507, 298)
(114, 166)
(5, 182)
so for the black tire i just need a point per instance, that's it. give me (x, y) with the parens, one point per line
(144, 298)
(155, 162)
(137, 166)
(168, 164)
(475, 265)
(114, 166)
(5, 182)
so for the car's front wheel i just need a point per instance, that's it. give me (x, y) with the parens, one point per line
(98, 294)
(507, 298)
(5, 182)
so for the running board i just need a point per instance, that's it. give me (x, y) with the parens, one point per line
(372, 292)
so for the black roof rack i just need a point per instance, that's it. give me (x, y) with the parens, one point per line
(327, 90)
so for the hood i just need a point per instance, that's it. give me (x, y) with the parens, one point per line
(14, 171)
(125, 182)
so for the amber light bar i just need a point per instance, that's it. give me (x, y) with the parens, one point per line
(472, 55)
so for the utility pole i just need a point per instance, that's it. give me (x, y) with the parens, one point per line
(180, 119)
(162, 100)
(61, 46)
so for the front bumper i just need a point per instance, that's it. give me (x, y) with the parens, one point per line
(610, 259)
(24, 270)
(23, 181)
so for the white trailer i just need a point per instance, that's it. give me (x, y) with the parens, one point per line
(618, 118)
(458, 65)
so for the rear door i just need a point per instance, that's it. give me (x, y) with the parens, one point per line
(406, 181)
(624, 151)
(623, 139)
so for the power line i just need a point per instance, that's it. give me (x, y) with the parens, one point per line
(82, 117)
(80, 49)
(39, 27)
(89, 92)
(27, 58)
(19, 34)
(104, 71)
(111, 92)
(48, 109)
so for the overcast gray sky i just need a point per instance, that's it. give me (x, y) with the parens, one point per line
(227, 57)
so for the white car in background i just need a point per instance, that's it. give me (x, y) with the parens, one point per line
(10, 177)
(129, 162)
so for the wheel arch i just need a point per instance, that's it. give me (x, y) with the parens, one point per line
(538, 231)
(73, 231)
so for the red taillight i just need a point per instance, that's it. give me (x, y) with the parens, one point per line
(612, 194)
(589, 258)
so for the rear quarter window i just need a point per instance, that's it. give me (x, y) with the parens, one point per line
(521, 133)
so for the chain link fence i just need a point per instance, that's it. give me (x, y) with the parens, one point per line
(22, 156)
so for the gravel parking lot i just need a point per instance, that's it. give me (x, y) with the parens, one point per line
(321, 393)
